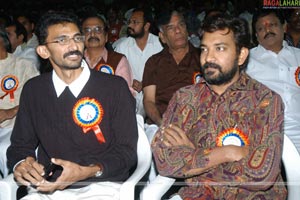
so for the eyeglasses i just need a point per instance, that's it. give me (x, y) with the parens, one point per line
(96, 29)
(65, 40)
(134, 22)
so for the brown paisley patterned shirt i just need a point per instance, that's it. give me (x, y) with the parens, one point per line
(203, 115)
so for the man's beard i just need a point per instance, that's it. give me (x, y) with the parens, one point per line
(134, 34)
(223, 77)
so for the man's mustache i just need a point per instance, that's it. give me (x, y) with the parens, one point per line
(130, 29)
(269, 34)
(76, 52)
(93, 38)
(211, 65)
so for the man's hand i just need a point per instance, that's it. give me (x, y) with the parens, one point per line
(137, 85)
(71, 173)
(175, 136)
(29, 172)
(235, 153)
(6, 114)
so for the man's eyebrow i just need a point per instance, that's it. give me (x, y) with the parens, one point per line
(217, 44)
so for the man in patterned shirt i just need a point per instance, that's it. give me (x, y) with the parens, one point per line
(223, 136)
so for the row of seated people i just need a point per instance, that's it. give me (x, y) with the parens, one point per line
(167, 68)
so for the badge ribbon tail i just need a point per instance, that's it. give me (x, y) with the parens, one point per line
(97, 132)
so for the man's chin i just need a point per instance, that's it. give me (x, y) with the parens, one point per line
(74, 67)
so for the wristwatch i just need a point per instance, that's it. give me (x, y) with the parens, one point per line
(99, 172)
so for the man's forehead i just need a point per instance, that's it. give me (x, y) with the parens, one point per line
(93, 20)
(217, 37)
(137, 14)
(63, 28)
(267, 18)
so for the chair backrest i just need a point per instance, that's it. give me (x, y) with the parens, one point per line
(144, 155)
(291, 161)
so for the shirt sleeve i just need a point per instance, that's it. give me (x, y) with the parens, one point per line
(122, 155)
(174, 161)
(23, 141)
(124, 70)
(261, 165)
(149, 72)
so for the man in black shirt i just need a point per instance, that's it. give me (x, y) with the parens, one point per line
(80, 120)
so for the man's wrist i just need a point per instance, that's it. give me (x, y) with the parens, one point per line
(99, 170)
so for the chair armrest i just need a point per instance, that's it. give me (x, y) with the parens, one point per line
(291, 161)
(144, 161)
(8, 188)
(157, 188)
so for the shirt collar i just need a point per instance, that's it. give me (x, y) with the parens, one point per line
(76, 86)
(284, 46)
(103, 55)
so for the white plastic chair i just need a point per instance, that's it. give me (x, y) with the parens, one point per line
(8, 186)
(144, 161)
(156, 188)
(291, 161)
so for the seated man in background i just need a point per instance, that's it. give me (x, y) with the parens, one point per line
(223, 135)
(292, 35)
(17, 35)
(138, 47)
(277, 65)
(81, 121)
(14, 72)
(170, 69)
(97, 56)
(177, 65)
(27, 21)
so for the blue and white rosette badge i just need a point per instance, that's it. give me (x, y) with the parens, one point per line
(88, 114)
(297, 76)
(105, 68)
(232, 136)
(9, 85)
(196, 77)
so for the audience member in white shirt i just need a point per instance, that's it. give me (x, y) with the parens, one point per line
(277, 65)
(138, 47)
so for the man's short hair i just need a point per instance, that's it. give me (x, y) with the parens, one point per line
(265, 12)
(53, 18)
(147, 14)
(164, 18)
(93, 15)
(5, 39)
(20, 29)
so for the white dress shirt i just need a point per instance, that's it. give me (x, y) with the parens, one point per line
(23, 70)
(33, 42)
(281, 73)
(76, 86)
(29, 53)
(137, 59)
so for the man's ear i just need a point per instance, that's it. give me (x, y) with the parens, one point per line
(285, 27)
(43, 51)
(106, 38)
(162, 37)
(243, 55)
(20, 38)
(147, 27)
